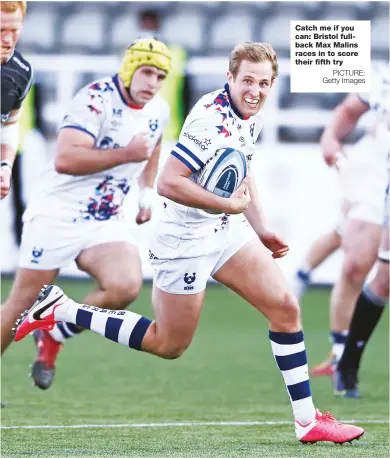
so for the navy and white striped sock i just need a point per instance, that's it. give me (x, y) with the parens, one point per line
(121, 326)
(290, 356)
(339, 339)
(64, 331)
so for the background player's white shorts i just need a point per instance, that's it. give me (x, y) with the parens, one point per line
(52, 244)
(364, 178)
(184, 266)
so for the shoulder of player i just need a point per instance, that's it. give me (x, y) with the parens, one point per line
(95, 89)
(19, 60)
(204, 110)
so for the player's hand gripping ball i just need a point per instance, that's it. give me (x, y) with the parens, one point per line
(223, 172)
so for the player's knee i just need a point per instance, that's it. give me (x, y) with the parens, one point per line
(289, 307)
(355, 270)
(120, 294)
(172, 350)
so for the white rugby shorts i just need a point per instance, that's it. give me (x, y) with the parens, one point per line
(364, 179)
(49, 243)
(183, 266)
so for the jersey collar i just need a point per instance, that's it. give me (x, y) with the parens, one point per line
(115, 78)
(234, 108)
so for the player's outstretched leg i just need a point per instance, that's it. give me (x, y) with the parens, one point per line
(168, 336)
(53, 306)
(255, 275)
(119, 281)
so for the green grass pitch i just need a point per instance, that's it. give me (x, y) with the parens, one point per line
(227, 375)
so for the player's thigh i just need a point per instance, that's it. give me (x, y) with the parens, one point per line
(177, 316)
(26, 287)
(361, 241)
(113, 265)
(254, 275)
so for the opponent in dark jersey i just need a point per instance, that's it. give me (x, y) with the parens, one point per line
(16, 79)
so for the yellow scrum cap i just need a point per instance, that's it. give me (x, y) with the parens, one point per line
(144, 51)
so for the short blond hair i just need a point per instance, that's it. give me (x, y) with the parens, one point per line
(11, 7)
(253, 52)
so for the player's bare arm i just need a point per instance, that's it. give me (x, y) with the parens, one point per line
(76, 153)
(9, 146)
(174, 184)
(254, 213)
(146, 183)
(148, 175)
(256, 218)
(344, 120)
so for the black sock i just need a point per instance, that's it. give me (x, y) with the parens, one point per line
(366, 316)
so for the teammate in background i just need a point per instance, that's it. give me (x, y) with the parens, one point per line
(109, 139)
(31, 138)
(16, 80)
(368, 311)
(190, 244)
(365, 181)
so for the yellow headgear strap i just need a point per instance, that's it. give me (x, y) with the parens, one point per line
(144, 51)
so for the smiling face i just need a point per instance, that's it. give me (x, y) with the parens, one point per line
(250, 88)
(11, 27)
(146, 82)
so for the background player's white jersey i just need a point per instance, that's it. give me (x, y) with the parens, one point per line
(100, 110)
(213, 123)
(365, 176)
(379, 97)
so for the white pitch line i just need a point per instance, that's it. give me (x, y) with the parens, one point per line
(181, 424)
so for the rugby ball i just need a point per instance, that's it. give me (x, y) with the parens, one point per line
(223, 173)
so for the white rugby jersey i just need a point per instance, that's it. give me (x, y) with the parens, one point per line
(379, 97)
(100, 110)
(213, 123)
(378, 100)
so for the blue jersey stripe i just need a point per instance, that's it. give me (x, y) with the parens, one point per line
(191, 167)
(190, 154)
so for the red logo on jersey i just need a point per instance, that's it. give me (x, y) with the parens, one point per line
(94, 109)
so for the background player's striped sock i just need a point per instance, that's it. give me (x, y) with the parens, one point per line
(64, 331)
(290, 356)
(121, 326)
(339, 339)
